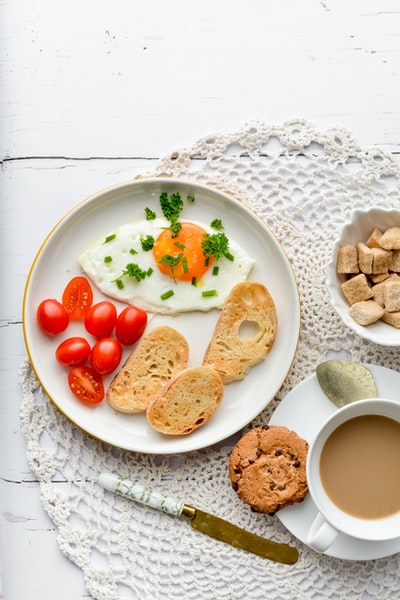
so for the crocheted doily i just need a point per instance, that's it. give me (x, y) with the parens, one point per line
(304, 184)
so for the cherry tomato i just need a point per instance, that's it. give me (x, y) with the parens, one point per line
(73, 351)
(77, 297)
(131, 324)
(101, 318)
(52, 316)
(86, 384)
(105, 355)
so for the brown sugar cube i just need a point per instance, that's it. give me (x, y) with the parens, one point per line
(392, 318)
(378, 278)
(373, 240)
(381, 260)
(356, 289)
(347, 260)
(365, 258)
(395, 262)
(390, 239)
(366, 312)
(378, 294)
(391, 295)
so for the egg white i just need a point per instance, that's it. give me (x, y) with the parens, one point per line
(147, 292)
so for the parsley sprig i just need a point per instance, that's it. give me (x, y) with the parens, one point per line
(216, 245)
(171, 207)
(133, 270)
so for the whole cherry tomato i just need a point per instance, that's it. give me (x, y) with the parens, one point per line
(101, 318)
(52, 316)
(86, 384)
(105, 355)
(77, 297)
(131, 324)
(73, 351)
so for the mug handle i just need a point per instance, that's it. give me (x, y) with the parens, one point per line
(321, 534)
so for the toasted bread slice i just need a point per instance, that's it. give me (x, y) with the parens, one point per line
(186, 402)
(244, 333)
(159, 355)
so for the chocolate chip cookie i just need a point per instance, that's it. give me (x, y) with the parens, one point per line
(267, 468)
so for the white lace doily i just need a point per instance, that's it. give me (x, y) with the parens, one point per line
(303, 184)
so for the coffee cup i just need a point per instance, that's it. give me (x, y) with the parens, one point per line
(353, 473)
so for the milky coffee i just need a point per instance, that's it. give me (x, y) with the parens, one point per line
(360, 466)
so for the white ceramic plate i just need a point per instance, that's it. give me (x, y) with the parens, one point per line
(56, 262)
(304, 409)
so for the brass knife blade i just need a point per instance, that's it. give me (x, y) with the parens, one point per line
(229, 533)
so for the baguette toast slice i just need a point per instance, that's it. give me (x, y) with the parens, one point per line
(186, 402)
(160, 354)
(244, 333)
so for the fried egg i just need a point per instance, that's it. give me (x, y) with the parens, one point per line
(141, 263)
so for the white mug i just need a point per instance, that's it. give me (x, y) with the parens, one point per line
(331, 520)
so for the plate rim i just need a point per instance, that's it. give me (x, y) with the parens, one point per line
(149, 181)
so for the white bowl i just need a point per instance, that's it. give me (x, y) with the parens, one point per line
(357, 230)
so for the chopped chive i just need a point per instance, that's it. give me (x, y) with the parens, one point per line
(207, 261)
(209, 293)
(119, 283)
(185, 265)
(215, 270)
(110, 237)
(190, 198)
(194, 281)
(133, 251)
(229, 256)
(179, 245)
(167, 295)
(107, 259)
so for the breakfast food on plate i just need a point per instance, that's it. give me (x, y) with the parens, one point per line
(186, 402)
(267, 468)
(372, 271)
(158, 356)
(244, 333)
(164, 265)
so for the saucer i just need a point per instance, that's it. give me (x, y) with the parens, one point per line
(303, 410)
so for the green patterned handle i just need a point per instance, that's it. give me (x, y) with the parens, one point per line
(140, 493)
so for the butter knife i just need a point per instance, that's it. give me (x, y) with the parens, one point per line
(208, 524)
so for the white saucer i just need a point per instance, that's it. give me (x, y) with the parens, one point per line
(302, 410)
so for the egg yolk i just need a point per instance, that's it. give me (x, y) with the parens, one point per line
(187, 246)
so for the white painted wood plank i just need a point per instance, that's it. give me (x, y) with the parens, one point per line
(90, 79)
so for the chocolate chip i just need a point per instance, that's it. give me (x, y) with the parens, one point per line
(265, 427)
(237, 470)
(258, 452)
(272, 486)
(297, 463)
(235, 486)
(278, 452)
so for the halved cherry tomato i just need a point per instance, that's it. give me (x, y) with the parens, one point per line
(52, 316)
(73, 351)
(101, 318)
(131, 324)
(77, 297)
(105, 355)
(86, 385)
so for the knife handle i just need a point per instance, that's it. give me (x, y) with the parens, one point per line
(140, 493)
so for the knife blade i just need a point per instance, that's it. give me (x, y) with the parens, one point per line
(201, 521)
